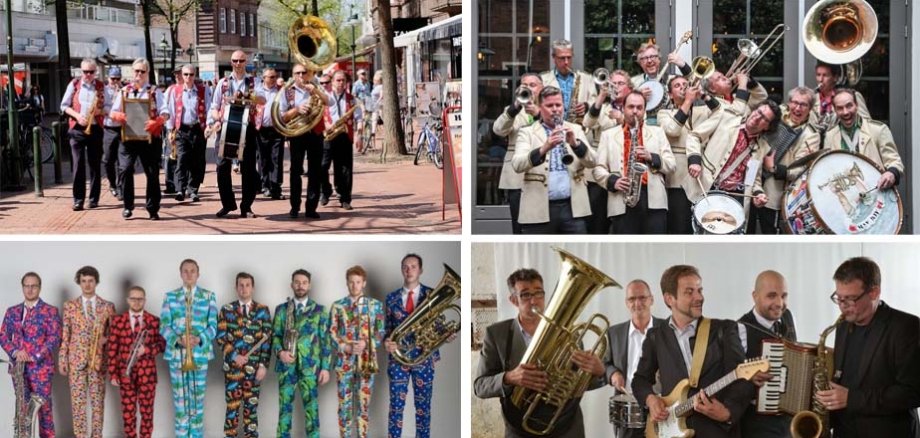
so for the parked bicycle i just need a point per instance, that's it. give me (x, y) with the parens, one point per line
(429, 142)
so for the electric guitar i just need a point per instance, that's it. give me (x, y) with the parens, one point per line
(680, 406)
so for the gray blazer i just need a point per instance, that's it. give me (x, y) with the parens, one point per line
(618, 346)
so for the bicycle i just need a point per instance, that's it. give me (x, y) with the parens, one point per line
(429, 140)
(46, 142)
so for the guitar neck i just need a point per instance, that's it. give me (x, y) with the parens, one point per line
(687, 405)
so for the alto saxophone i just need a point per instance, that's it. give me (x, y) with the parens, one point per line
(634, 168)
(289, 342)
(572, 116)
(367, 366)
(339, 126)
(135, 351)
(189, 363)
(814, 423)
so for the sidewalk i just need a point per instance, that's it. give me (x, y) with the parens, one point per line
(396, 197)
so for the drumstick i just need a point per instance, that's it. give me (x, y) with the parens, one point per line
(865, 194)
(700, 182)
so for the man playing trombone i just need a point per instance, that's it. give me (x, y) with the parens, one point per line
(357, 329)
(244, 330)
(30, 333)
(189, 325)
(133, 344)
(822, 111)
(733, 93)
(86, 323)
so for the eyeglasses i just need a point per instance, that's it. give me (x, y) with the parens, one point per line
(298, 73)
(648, 58)
(848, 301)
(188, 74)
(528, 296)
(643, 299)
(89, 72)
(140, 71)
(798, 104)
(618, 84)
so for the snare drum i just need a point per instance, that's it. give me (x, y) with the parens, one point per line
(838, 195)
(718, 213)
(626, 413)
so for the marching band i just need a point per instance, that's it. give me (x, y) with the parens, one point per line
(739, 154)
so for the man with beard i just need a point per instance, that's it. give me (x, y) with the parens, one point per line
(794, 139)
(650, 147)
(302, 345)
(769, 319)
(714, 415)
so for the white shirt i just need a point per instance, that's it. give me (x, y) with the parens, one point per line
(189, 114)
(683, 339)
(764, 322)
(405, 295)
(110, 93)
(246, 307)
(269, 95)
(89, 306)
(86, 97)
(634, 348)
(337, 104)
(527, 337)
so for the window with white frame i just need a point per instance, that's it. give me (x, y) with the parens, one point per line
(242, 24)
(223, 20)
(252, 24)
(232, 21)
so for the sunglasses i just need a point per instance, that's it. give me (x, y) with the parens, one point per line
(237, 61)
(298, 73)
(140, 71)
(89, 72)
(324, 83)
(188, 74)
(270, 77)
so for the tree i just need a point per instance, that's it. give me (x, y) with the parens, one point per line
(147, 14)
(394, 138)
(63, 69)
(174, 11)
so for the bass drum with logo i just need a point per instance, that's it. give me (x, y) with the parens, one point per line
(838, 194)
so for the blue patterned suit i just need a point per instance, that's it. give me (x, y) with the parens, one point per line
(189, 387)
(422, 375)
(236, 335)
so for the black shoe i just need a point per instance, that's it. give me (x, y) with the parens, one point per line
(293, 214)
(120, 197)
(347, 206)
(266, 192)
(195, 197)
(170, 191)
(278, 197)
(126, 213)
(224, 211)
(324, 200)
(77, 206)
(180, 197)
(311, 215)
(248, 214)
(154, 216)
(113, 191)
(93, 204)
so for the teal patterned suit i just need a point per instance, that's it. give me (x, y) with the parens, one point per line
(189, 387)
(314, 354)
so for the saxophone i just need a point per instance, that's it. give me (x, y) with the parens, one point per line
(95, 356)
(813, 423)
(339, 126)
(635, 168)
(290, 333)
(189, 363)
(25, 423)
(366, 367)
(572, 117)
(135, 350)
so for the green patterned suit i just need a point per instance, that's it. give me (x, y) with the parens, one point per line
(313, 354)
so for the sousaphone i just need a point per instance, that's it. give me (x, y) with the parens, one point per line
(841, 32)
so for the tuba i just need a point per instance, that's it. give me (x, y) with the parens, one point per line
(839, 32)
(557, 336)
(188, 364)
(813, 423)
(428, 325)
(313, 44)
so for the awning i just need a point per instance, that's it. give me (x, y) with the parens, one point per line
(452, 26)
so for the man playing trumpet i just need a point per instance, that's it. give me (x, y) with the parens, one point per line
(733, 93)
(189, 325)
(133, 344)
(86, 323)
(244, 330)
(357, 329)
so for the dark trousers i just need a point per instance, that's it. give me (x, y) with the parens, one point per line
(311, 146)
(680, 212)
(560, 221)
(170, 177)
(111, 138)
(765, 426)
(514, 201)
(271, 159)
(149, 154)
(338, 151)
(598, 222)
(620, 432)
(250, 176)
(640, 219)
(86, 150)
(190, 158)
(766, 217)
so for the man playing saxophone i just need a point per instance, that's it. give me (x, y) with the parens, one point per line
(188, 322)
(632, 161)
(244, 330)
(303, 347)
(504, 345)
(30, 333)
(133, 344)
(577, 86)
(357, 329)
(875, 388)
(186, 121)
(86, 323)
(337, 145)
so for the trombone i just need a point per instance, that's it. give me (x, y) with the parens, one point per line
(751, 53)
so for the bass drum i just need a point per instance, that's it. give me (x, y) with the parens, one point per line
(718, 213)
(838, 195)
(233, 131)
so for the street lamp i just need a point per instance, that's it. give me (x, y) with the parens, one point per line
(353, 21)
(190, 52)
(164, 46)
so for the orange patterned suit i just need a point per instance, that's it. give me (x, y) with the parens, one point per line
(87, 386)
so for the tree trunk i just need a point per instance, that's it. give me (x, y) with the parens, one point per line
(63, 73)
(148, 44)
(174, 37)
(394, 137)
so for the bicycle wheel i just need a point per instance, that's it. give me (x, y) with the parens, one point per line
(47, 148)
(437, 155)
(410, 136)
(422, 145)
(367, 138)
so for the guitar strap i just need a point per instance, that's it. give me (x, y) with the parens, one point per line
(699, 352)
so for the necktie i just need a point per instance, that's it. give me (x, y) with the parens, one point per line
(25, 314)
(777, 328)
(137, 323)
(299, 308)
(246, 310)
(410, 304)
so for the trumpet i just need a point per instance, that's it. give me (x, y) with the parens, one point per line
(188, 364)
(95, 356)
(135, 351)
(428, 324)
(523, 96)
(602, 80)
(702, 67)
(92, 115)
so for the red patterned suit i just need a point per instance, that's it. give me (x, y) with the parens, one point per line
(139, 388)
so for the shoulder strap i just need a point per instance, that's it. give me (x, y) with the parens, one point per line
(699, 352)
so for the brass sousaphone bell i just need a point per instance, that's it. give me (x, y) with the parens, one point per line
(841, 32)
(312, 43)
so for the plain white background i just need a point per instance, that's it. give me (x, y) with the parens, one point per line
(728, 272)
(155, 266)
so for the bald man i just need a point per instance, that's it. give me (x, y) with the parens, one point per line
(769, 319)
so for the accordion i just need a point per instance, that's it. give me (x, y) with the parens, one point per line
(792, 366)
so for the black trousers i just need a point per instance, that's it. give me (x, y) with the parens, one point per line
(311, 146)
(766, 217)
(250, 176)
(271, 159)
(338, 153)
(190, 158)
(560, 221)
(640, 219)
(680, 212)
(514, 201)
(149, 154)
(111, 139)
(86, 150)
(598, 222)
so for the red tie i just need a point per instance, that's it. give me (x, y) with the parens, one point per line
(410, 305)
(137, 323)
(25, 315)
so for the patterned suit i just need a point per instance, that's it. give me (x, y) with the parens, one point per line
(87, 386)
(189, 387)
(351, 322)
(237, 333)
(314, 348)
(38, 334)
(422, 375)
(139, 388)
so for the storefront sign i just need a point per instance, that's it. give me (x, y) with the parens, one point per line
(453, 159)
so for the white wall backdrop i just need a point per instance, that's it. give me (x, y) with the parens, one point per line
(155, 266)
(728, 272)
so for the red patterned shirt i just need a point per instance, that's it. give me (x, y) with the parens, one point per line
(735, 181)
